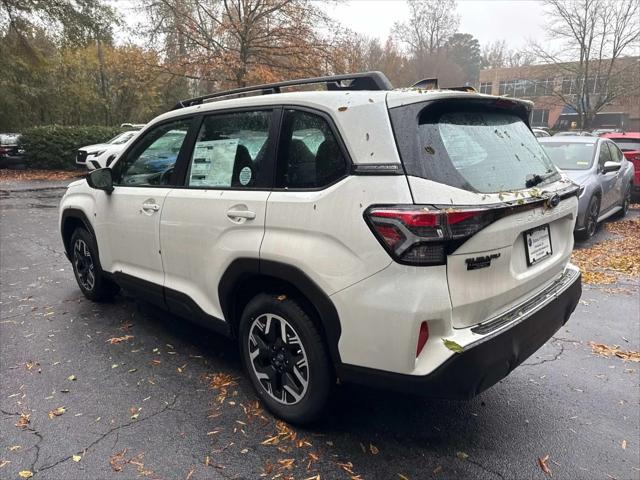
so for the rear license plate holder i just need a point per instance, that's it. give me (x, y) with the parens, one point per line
(537, 244)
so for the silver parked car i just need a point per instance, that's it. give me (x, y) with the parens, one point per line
(603, 173)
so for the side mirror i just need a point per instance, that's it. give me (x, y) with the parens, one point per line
(611, 167)
(101, 179)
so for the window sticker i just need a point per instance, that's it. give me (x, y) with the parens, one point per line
(212, 164)
(245, 176)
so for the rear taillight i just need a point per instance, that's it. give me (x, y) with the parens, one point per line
(422, 235)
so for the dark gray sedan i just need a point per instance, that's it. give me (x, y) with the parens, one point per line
(603, 173)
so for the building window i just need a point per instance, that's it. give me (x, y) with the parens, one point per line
(545, 87)
(485, 87)
(540, 118)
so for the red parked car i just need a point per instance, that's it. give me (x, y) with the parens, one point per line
(629, 143)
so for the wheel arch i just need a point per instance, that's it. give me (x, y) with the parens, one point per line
(71, 219)
(247, 277)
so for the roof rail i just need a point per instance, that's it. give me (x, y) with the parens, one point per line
(353, 81)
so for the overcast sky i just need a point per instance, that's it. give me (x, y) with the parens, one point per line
(516, 21)
(488, 20)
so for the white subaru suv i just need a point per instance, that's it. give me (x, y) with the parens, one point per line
(410, 239)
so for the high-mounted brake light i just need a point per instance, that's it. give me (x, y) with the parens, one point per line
(421, 236)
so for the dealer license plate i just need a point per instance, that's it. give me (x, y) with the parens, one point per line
(537, 244)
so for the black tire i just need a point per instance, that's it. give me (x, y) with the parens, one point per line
(86, 267)
(626, 202)
(278, 362)
(590, 219)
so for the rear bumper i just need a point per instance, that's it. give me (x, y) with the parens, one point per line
(484, 363)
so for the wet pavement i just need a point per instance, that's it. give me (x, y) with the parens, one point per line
(170, 401)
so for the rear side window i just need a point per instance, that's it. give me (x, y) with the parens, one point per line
(309, 155)
(230, 151)
(476, 148)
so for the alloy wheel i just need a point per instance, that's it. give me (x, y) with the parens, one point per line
(83, 264)
(592, 217)
(278, 358)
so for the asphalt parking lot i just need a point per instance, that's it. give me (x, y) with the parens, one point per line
(123, 390)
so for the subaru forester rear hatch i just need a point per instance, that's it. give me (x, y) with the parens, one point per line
(489, 203)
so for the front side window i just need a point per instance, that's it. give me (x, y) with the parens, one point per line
(616, 154)
(230, 151)
(605, 155)
(309, 155)
(151, 160)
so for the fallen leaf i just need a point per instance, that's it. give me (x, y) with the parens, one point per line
(25, 474)
(56, 412)
(135, 412)
(190, 474)
(115, 340)
(374, 450)
(342, 109)
(451, 345)
(4, 463)
(280, 298)
(437, 470)
(117, 460)
(602, 350)
(23, 421)
(73, 378)
(624, 444)
(542, 462)
(403, 477)
(77, 458)
(462, 455)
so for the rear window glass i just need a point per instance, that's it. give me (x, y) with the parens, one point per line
(480, 149)
(570, 156)
(627, 144)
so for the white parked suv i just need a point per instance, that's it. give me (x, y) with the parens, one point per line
(102, 154)
(417, 240)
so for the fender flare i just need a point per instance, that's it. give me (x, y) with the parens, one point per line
(242, 269)
(77, 214)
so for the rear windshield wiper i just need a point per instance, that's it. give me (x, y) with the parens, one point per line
(536, 179)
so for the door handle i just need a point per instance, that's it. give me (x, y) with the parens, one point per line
(236, 214)
(150, 207)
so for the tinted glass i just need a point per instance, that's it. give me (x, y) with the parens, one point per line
(309, 155)
(150, 162)
(570, 156)
(480, 150)
(230, 151)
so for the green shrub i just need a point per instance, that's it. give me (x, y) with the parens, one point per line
(54, 146)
